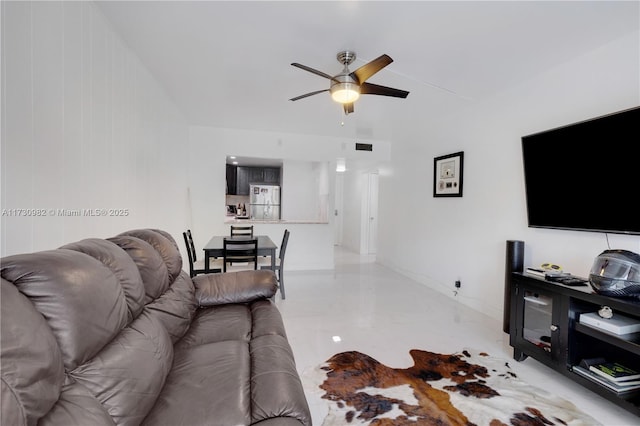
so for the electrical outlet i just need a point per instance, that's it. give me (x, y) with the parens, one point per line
(458, 284)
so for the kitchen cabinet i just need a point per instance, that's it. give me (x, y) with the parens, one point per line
(242, 181)
(231, 179)
(545, 324)
(271, 175)
(256, 174)
(245, 176)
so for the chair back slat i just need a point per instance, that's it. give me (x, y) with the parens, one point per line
(244, 230)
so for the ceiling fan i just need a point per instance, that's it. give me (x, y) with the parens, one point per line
(347, 86)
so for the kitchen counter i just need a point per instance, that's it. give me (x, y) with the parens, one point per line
(234, 220)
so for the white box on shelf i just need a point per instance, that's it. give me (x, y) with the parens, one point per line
(535, 271)
(618, 324)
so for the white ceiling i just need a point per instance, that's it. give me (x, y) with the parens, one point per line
(227, 64)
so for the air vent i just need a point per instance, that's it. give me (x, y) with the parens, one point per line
(364, 147)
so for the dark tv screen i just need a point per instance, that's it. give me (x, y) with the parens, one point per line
(585, 176)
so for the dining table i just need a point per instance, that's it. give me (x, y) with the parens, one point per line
(214, 248)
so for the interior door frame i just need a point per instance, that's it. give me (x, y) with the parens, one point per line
(338, 216)
(369, 219)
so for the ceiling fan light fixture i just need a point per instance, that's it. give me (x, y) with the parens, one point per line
(345, 93)
(347, 86)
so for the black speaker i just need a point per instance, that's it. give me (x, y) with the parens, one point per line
(514, 262)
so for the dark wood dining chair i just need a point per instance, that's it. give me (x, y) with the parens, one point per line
(279, 262)
(242, 230)
(240, 250)
(196, 267)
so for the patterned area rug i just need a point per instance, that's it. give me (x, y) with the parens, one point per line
(466, 388)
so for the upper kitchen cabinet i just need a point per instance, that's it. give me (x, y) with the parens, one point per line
(242, 181)
(238, 182)
(271, 175)
(232, 180)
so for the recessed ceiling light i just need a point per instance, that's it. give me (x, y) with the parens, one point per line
(336, 339)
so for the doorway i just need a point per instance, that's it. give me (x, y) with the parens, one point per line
(338, 221)
(370, 215)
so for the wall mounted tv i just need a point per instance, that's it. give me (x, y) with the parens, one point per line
(585, 176)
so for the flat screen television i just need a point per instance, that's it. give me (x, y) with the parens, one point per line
(585, 176)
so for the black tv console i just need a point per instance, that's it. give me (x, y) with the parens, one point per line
(544, 323)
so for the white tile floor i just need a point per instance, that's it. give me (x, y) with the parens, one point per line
(383, 314)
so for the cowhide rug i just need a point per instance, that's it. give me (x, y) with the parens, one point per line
(466, 388)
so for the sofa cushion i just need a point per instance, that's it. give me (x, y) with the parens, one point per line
(76, 406)
(170, 294)
(209, 384)
(80, 298)
(117, 260)
(153, 271)
(266, 319)
(253, 373)
(32, 370)
(276, 390)
(176, 307)
(217, 324)
(129, 373)
(164, 244)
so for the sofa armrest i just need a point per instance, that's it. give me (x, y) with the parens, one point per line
(235, 287)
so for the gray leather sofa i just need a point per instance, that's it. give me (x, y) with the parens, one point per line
(113, 331)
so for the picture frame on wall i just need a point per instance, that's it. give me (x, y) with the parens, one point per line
(447, 175)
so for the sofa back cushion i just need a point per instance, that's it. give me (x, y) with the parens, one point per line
(32, 370)
(164, 244)
(153, 272)
(170, 293)
(122, 267)
(81, 299)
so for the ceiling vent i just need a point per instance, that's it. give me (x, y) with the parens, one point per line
(364, 147)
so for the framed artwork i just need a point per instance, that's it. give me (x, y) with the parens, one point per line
(447, 175)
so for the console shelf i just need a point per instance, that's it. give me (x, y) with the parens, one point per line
(629, 342)
(567, 341)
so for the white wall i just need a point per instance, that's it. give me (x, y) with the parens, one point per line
(301, 185)
(84, 126)
(439, 240)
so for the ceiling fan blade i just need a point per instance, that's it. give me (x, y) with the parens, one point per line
(348, 108)
(374, 89)
(370, 68)
(312, 70)
(308, 94)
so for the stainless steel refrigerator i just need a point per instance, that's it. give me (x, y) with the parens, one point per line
(264, 202)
